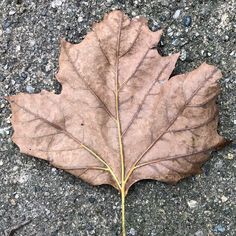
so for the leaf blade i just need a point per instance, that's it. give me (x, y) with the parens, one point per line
(119, 117)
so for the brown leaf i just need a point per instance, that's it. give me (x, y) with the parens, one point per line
(119, 118)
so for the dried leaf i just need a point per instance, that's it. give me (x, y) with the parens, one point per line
(119, 118)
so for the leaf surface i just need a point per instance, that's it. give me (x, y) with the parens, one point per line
(120, 118)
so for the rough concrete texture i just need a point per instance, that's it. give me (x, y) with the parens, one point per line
(60, 204)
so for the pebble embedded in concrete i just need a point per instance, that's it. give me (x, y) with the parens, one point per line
(177, 14)
(192, 204)
(187, 21)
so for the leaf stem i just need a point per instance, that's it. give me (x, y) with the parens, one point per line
(123, 211)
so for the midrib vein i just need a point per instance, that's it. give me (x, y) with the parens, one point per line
(117, 104)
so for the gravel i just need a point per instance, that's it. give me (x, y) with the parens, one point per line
(187, 21)
(60, 204)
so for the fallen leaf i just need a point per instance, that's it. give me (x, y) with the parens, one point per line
(119, 118)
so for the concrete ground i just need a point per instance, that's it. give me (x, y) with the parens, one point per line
(60, 204)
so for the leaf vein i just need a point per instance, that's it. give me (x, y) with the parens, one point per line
(171, 123)
(143, 101)
(135, 39)
(89, 87)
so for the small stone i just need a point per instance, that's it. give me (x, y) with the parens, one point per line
(235, 122)
(208, 54)
(155, 26)
(183, 55)
(226, 38)
(90, 228)
(219, 164)
(15, 168)
(170, 32)
(13, 202)
(224, 199)
(1, 163)
(32, 42)
(230, 156)
(208, 213)
(187, 21)
(199, 233)
(6, 23)
(175, 42)
(11, 12)
(219, 228)
(22, 179)
(132, 232)
(2, 78)
(162, 18)
(161, 42)
(17, 48)
(2, 132)
(23, 75)
(224, 19)
(57, 3)
(47, 67)
(80, 19)
(47, 211)
(29, 89)
(177, 14)
(1, 32)
(108, 3)
(92, 199)
(54, 170)
(192, 204)
(8, 31)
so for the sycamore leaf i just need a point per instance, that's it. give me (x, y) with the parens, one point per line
(120, 118)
